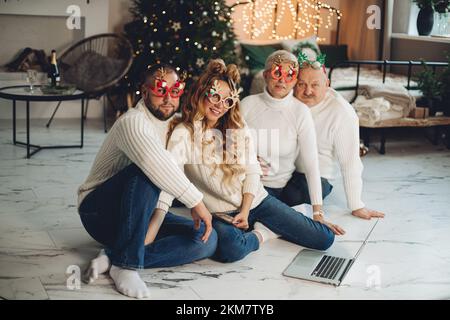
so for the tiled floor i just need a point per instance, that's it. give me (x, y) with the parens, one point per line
(407, 256)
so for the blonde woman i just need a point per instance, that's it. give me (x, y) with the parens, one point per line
(213, 146)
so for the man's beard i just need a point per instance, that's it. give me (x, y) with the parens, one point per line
(158, 113)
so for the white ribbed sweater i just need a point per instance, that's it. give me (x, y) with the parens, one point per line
(296, 138)
(136, 138)
(217, 196)
(337, 128)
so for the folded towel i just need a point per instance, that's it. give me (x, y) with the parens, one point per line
(395, 94)
(380, 104)
(375, 110)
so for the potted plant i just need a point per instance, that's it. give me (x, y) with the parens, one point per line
(442, 8)
(430, 86)
(425, 19)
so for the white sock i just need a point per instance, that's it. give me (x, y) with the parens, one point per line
(129, 283)
(99, 265)
(266, 233)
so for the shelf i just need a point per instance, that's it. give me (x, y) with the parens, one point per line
(436, 39)
(408, 122)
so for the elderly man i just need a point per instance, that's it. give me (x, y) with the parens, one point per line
(337, 130)
(285, 132)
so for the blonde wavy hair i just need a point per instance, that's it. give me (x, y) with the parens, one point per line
(193, 109)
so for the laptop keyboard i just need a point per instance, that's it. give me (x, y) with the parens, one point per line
(328, 267)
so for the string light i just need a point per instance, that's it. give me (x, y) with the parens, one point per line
(263, 16)
(258, 17)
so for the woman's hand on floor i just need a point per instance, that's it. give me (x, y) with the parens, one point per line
(201, 213)
(241, 220)
(337, 230)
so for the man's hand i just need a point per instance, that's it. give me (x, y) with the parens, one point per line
(366, 213)
(265, 167)
(200, 213)
(337, 230)
(241, 220)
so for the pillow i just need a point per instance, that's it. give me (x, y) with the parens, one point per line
(255, 55)
(91, 71)
(335, 54)
(310, 42)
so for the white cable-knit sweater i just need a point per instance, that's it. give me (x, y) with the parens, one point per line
(137, 137)
(285, 131)
(337, 128)
(200, 169)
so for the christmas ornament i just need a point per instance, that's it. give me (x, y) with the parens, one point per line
(176, 26)
(200, 62)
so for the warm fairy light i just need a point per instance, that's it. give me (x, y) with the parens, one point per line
(258, 17)
(263, 19)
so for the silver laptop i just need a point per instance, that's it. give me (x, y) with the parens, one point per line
(328, 267)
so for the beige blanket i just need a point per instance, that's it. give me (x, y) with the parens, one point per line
(396, 94)
(375, 110)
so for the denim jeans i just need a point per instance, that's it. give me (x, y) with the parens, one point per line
(117, 214)
(296, 191)
(234, 244)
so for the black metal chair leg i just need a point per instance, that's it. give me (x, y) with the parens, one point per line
(54, 112)
(86, 109)
(28, 130)
(14, 121)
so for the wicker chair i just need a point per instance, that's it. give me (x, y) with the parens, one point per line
(95, 65)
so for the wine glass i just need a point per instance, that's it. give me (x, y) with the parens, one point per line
(31, 78)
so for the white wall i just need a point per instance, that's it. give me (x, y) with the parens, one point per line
(96, 12)
(401, 18)
(96, 17)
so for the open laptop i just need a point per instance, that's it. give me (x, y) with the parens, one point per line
(328, 267)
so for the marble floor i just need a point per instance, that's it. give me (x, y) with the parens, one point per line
(43, 244)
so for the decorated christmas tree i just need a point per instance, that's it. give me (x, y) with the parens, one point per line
(183, 33)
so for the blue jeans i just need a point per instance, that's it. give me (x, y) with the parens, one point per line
(296, 190)
(117, 214)
(234, 244)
